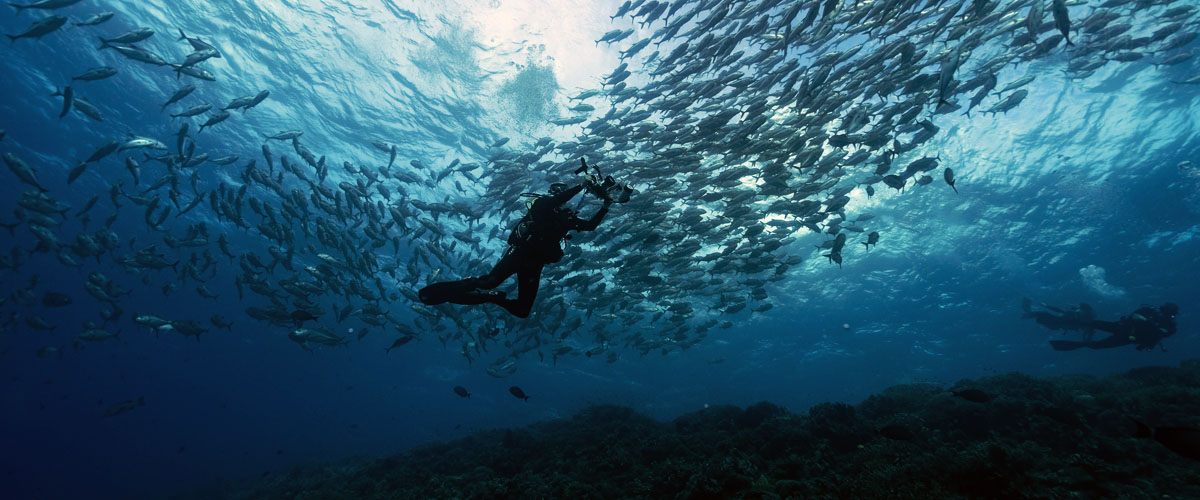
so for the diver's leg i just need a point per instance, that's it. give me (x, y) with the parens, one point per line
(1108, 326)
(458, 292)
(1115, 340)
(505, 267)
(528, 280)
(1042, 318)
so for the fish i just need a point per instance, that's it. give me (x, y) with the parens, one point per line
(1008, 103)
(1033, 20)
(50, 351)
(142, 143)
(184, 91)
(87, 108)
(216, 118)
(872, 239)
(894, 181)
(94, 335)
(128, 38)
(1062, 19)
(195, 58)
(40, 28)
(220, 322)
(948, 175)
(286, 135)
(1018, 83)
(76, 171)
(461, 391)
(22, 171)
(55, 299)
(37, 323)
(45, 5)
(97, 19)
(518, 393)
(195, 72)
(300, 316)
(193, 111)
(124, 406)
(399, 342)
(197, 44)
(140, 55)
(98, 73)
(68, 95)
(103, 151)
(949, 67)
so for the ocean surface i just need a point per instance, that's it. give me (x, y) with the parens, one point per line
(1087, 191)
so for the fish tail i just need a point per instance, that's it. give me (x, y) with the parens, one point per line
(19, 7)
(868, 245)
(182, 35)
(954, 188)
(103, 44)
(12, 39)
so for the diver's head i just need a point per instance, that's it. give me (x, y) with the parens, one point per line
(557, 187)
(1170, 309)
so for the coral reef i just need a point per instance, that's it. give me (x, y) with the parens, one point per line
(1055, 438)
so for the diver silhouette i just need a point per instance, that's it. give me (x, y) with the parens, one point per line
(1146, 327)
(535, 241)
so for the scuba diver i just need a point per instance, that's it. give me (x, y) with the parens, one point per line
(534, 242)
(1145, 327)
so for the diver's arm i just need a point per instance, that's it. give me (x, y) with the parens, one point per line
(590, 224)
(546, 204)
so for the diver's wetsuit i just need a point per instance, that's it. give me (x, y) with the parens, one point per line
(1146, 331)
(533, 243)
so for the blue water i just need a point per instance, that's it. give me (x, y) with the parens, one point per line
(1083, 173)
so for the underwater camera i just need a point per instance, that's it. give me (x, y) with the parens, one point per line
(608, 188)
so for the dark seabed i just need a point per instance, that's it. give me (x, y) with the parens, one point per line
(216, 215)
(1056, 437)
